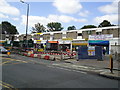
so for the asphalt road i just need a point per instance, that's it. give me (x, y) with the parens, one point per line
(23, 72)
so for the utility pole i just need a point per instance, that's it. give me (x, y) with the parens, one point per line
(26, 20)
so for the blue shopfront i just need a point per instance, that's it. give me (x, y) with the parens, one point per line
(102, 43)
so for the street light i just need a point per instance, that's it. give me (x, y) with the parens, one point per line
(27, 18)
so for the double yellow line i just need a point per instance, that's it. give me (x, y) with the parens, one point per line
(12, 60)
(8, 86)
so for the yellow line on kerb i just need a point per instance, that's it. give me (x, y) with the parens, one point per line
(6, 85)
(15, 60)
(5, 62)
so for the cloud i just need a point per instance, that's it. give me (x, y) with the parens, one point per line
(110, 8)
(51, 18)
(84, 13)
(68, 6)
(34, 19)
(113, 18)
(15, 19)
(65, 19)
(6, 8)
(3, 16)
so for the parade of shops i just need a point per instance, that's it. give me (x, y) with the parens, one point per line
(106, 37)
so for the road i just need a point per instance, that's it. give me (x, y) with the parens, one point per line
(24, 72)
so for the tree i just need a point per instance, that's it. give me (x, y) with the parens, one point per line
(38, 28)
(88, 26)
(54, 26)
(71, 28)
(105, 23)
(8, 28)
(1, 31)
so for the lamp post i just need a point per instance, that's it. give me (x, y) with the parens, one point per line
(27, 18)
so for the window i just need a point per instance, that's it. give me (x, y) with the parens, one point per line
(89, 32)
(79, 34)
(98, 33)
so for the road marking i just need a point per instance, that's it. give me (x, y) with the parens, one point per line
(12, 60)
(59, 68)
(80, 71)
(68, 69)
(6, 85)
(64, 68)
(5, 62)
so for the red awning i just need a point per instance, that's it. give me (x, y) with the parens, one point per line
(52, 41)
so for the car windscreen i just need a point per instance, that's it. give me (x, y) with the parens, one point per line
(2, 49)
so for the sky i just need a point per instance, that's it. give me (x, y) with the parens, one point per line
(67, 12)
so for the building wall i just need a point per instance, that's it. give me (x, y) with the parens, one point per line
(29, 37)
(36, 37)
(2, 36)
(115, 45)
(57, 36)
(74, 33)
(46, 36)
(21, 37)
(114, 31)
(115, 49)
(71, 35)
(85, 34)
(93, 32)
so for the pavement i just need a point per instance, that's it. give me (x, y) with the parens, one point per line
(101, 68)
(92, 66)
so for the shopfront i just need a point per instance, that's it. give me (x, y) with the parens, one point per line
(52, 45)
(101, 40)
(66, 43)
(77, 43)
(103, 43)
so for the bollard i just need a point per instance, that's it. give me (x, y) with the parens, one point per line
(111, 64)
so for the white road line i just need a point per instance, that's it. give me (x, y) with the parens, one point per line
(64, 69)
(80, 71)
(68, 69)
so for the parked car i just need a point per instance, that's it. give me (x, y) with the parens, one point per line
(3, 50)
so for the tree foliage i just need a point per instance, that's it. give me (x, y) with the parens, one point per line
(54, 26)
(71, 28)
(38, 28)
(8, 28)
(105, 23)
(1, 31)
(89, 26)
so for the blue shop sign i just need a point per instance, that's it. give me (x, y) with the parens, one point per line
(98, 42)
